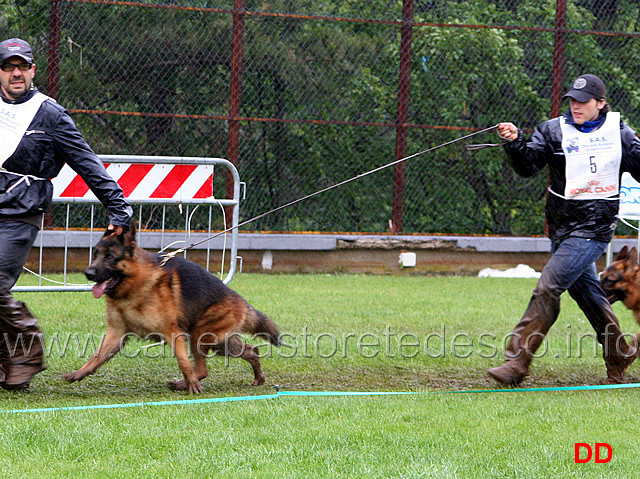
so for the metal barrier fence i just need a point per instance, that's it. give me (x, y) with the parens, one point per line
(300, 94)
(160, 237)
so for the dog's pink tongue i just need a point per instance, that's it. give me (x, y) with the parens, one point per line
(98, 289)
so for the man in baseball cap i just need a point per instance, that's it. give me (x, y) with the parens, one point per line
(37, 136)
(585, 150)
(15, 47)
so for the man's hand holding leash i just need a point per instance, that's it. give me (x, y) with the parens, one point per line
(507, 131)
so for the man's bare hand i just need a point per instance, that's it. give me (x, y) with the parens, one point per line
(115, 230)
(508, 131)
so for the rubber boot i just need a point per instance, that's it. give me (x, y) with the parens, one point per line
(617, 354)
(4, 361)
(527, 337)
(21, 344)
(3, 367)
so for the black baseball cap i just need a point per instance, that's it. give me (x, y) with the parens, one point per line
(586, 87)
(15, 47)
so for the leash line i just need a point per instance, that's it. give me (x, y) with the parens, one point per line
(280, 394)
(344, 182)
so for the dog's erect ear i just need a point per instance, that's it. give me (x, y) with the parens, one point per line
(633, 256)
(622, 254)
(129, 237)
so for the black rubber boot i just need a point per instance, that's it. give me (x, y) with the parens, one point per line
(527, 336)
(21, 344)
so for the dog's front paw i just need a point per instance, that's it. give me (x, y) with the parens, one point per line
(72, 377)
(259, 380)
(178, 385)
(195, 388)
(182, 385)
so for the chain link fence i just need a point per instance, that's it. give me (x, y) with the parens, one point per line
(302, 95)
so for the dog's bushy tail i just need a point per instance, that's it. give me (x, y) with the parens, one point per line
(260, 325)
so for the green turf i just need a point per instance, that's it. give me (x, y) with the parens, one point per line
(430, 336)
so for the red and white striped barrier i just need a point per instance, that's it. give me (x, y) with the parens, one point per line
(143, 182)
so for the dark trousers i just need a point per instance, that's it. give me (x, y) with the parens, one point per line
(21, 345)
(571, 268)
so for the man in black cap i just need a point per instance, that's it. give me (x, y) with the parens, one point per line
(37, 136)
(586, 149)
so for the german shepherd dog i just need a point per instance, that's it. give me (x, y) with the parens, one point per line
(621, 281)
(178, 301)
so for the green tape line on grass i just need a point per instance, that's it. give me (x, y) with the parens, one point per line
(151, 403)
(279, 394)
(550, 389)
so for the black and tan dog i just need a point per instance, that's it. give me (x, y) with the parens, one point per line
(621, 280)
(178, 301)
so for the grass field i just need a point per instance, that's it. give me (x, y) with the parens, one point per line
(432, 337)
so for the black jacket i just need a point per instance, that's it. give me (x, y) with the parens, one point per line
(594, 219)
(51, 140)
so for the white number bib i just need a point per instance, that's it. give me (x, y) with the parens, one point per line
(592, 160)
(14, 121)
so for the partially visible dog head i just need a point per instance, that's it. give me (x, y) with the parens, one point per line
(620, 278)
(107, 268)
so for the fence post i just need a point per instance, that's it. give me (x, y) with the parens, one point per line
(559, 40)
(54, 49)
(403, 114)
(235, 90)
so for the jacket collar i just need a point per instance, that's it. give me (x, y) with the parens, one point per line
(24, 98)
(587, 126)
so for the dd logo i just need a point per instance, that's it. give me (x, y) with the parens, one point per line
(590, 453)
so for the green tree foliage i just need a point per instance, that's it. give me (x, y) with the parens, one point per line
(319, 96)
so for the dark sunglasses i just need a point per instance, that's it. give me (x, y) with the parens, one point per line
(9, 67)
